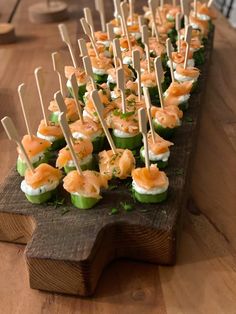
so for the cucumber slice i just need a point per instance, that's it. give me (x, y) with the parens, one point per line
(42, 198)
(194, 87)
(199, 57)
(83, 202)
(88, 166)
(150, 198)
(21, 165)
(183, 105)
(53, 117)
(99, 79)
(57, 144)
(128, 142)
(112, 86)
(160, 163)
(166, 133)
(98, 143)
(81, 91)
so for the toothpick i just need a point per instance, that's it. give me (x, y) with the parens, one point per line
(117, 53)
(209, 3)
(162, 4)
(88, 70)
(142, 119)
(75, 90)
(110, 32)
(120, 77)
(159, 77)
(152, 7)
(82, 47)
(88, 31)
(186, 21)
(99, 108)
(89, 19)
(140, 22)
(131, 11)
(40, 83)
(169, 50)
(99, 5)
(13, 135)
(65, 130)
(184, 7)
(146, 44)
(123, 19)
(148, 107)
(188, 35)
(174, 3)
(117, 11)
(25, 106)
(66, 39)
(59, 68)
(195, 7)
(63, 109)
(136, 64)
(178, 27)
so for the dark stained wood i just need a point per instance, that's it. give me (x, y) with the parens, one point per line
(68, 252)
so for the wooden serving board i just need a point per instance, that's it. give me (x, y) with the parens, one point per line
(67, 249)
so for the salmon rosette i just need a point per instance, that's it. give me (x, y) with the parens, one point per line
(150, 185)
(156, 48)
(112, 79)
(118, 165)
(158, 150)
(178, 94)
(81, 78)
(197, 23)
(127, 54)
(40, 185)
(36, 149)
(100, 67)
(83, 148)
(204, 12)
(89, 129)
(178, 58)
(172, 12)
(85, 188)
(51, 132)
(189, 74)
(166, 120)
(71, 110)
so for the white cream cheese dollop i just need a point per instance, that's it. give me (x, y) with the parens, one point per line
(27, 189)
(152, 191)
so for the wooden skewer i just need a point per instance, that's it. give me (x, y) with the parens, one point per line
(99, 108)
(142, 119)
(117, 8)
(146, 44)
(174, 3)
(89, 19)
(13, 135)
(117, 53)
(59, 68)
(161, 4)
(159, 77)
(82, 47)
(184, 7)
(169, 50)
(188, 36)
(99, 4)
(140, 22)
(110, 32)
(24, 107)
(40, 83)
(88, 69)
(62, 107)
(88, 31)
(209, 3)
(136, 64)
(131, 10)
(66, 39)
(65, 130)
(186, 21)
(124, 12)
(195, 7)
(148, 107)
(152, 7)
(120, 77)
(178, 28)
(75, 90)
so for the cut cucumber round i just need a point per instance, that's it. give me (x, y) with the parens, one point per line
(58, 144)
(81, 91)
(128, 142)
(98, 143)
(183, 105)
(150, 198)
(160, 163)
(99, 79)
(41, 198)
(88, 166)
(166, 133)
(83, 202)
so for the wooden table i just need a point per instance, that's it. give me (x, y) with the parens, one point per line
(204, 279)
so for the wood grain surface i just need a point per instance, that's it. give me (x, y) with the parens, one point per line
(204, 279)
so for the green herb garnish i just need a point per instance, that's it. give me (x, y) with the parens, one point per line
(114, 211)
(127, 207)
(189, 119)
(64, 211)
